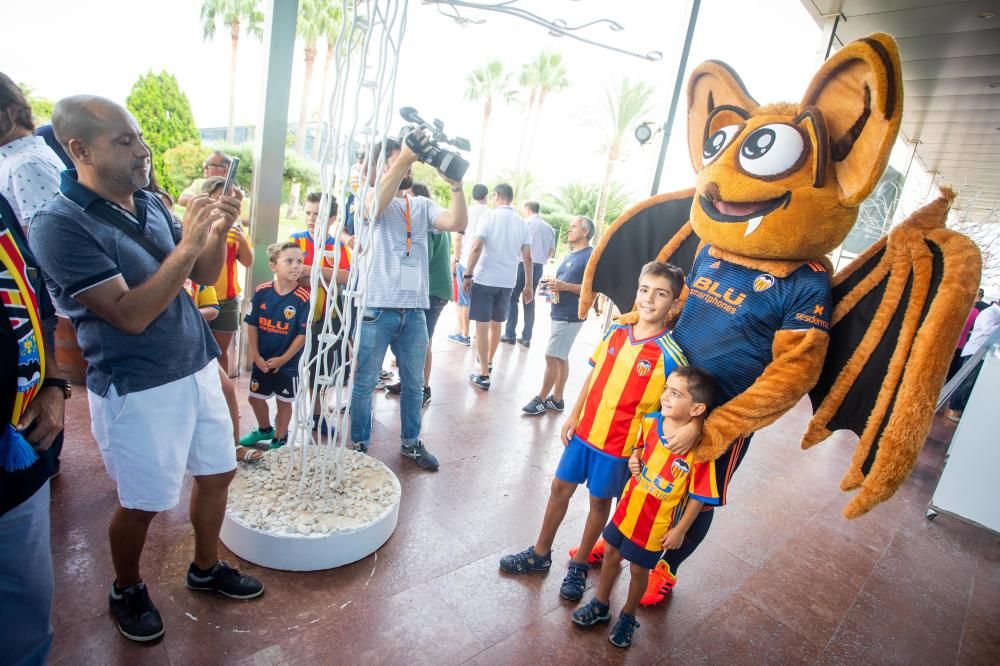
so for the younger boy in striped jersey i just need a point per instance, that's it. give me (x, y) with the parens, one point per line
(276, 331)
(629, 369)
(659, 503)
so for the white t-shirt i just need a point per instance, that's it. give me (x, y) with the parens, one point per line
(504, 233)
(987, 322)
(29, 175)
(475, 214)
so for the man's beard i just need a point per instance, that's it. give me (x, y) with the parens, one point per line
(123, 177)
(406, 183)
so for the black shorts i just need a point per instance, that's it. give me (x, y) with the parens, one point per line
(488, 303)
(433, 313)
(279, 384)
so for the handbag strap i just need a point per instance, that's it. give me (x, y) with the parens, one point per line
(129, 229)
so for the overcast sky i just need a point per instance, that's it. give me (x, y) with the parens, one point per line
(68, 47)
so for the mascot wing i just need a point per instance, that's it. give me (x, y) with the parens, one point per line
(898, 312)
(655, 229)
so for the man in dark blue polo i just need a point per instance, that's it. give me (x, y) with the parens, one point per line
(115, 263)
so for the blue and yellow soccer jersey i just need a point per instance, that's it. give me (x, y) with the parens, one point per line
(732, 312)
(279, 319)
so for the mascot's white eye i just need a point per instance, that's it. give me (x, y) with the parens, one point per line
(717, 142)
(772, 150)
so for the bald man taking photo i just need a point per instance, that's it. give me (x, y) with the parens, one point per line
(115, 263)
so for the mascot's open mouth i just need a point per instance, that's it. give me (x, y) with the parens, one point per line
(751, 212)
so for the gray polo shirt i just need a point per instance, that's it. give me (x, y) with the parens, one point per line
(387, 287)
(77, 251)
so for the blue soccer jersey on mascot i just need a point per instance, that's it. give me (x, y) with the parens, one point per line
(728, 322)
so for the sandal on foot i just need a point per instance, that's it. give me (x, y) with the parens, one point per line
(622, 632)
(575, 582)
(249, 456)
(591, 614)
(525, 562)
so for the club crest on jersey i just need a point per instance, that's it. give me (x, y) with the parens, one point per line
(679, 468)
(643, 368)
(289, 311)
(763, 282)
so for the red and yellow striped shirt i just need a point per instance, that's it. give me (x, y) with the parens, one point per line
(228, 285)
(626, 383)
(656, 499)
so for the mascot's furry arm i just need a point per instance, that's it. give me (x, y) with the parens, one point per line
(777, 202)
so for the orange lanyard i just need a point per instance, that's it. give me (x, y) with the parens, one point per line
(409, 231)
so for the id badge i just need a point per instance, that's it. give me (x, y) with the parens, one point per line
(409, 274)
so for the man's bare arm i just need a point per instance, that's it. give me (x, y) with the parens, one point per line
(211, 259)
(456, 218)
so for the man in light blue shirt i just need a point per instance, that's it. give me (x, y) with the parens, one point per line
(397, 295)
(543, 246)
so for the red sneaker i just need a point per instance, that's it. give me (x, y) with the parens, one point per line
(596, 555)
(661, 583)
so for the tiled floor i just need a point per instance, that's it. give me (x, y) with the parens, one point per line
(781, 578)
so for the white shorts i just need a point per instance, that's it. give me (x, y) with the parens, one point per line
(149, 438)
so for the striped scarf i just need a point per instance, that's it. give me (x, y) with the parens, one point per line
(20, 306)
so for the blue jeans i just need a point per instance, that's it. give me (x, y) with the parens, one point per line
(529, 308)
(405, 331)
(26, 581)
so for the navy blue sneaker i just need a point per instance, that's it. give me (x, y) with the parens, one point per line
(575, 582)
(136, 616)
(225, 580)
(593, 613)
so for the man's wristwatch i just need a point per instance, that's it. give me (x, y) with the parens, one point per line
(456, 188)
(466, 277)
(61, 384)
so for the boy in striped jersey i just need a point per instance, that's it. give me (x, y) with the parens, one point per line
(629, 370)
(660, 502)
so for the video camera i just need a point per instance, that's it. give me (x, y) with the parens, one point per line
(450, 163)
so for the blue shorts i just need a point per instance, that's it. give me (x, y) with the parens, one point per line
(632, 552)
(463, 298)
(605, 475)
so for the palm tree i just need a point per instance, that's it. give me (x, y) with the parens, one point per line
(627, 102)
(543, 75)
(235, 14)
(311, 25)
(484, 84)
(579, 198)
(332, 23)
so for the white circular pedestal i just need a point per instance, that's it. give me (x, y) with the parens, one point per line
(288, 550)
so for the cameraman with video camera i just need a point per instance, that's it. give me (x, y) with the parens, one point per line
(398, 285)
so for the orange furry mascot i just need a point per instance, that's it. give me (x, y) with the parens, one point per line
(777, 187)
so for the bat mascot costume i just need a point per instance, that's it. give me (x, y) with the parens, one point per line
(778, 186)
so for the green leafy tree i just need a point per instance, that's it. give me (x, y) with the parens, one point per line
(525, 183)
(314, 15)
(234, 14)
(41, 107)
(164, 114)
(543, 75)
(439, 187)
(582, 198)
(625, 102)
(487, 83)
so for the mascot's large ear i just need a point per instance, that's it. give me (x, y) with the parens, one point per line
(713, 86)
(859, 92)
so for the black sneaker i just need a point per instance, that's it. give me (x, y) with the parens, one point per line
(535, 407)
(524, 343)
(394, 389)
(480, 381)
(361, 447)
(427, 396)
(621, 633)
(555, 405)
(224, 579)
(419, 454)
(507, 341)
(575, 582)
(525, 562)
(137, 617)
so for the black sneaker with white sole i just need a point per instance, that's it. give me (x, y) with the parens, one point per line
(480, 381)
(427, 396)
(224, 579)
(137, 617)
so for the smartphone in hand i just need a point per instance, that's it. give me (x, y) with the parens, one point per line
(227, 189)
